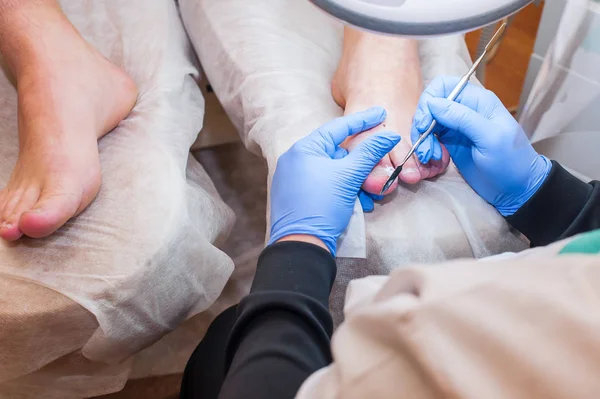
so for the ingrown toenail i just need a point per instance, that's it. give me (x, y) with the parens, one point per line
(5, 225)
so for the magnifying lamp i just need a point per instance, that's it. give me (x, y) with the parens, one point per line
(421, 17)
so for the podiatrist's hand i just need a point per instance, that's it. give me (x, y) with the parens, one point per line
(487, 145)
(316, 182)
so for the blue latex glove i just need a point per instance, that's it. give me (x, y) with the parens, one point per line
(487, 145)
(316, 182)
(367, 200)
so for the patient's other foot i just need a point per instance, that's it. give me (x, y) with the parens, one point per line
(69, 97)
(384, 71)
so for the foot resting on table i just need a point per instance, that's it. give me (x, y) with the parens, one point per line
(69, 96)
(384, 71)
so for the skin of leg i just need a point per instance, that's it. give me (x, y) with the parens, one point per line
(384, 71)
(69, 96)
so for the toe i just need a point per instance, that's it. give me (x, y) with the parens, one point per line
(9, 231)
(379, 176)
(3, 194)
(10, 226)
(49, 213)
(411, 172)
(12, 200)
(438, 167)
(445, 162)
(414, 171)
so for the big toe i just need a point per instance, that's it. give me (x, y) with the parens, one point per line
(412, 171)
(51, 212)
(378, 177)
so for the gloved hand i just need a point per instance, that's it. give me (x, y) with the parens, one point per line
(487, 145)
(316, 182)
(367, 200)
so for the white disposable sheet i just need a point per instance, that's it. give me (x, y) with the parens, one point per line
(76, 307)
(271, 63)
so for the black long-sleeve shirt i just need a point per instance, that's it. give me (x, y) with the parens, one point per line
(563, 207)
(282, 333)
(283, 330)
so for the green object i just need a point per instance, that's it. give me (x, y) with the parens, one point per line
(586, 244)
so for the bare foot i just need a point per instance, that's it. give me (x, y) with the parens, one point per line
(69, 97)
(384, 71)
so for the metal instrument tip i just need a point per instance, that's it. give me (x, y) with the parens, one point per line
(386, 186)
(390, 181)
(497, 36)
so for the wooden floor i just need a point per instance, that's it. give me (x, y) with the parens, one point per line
(506, 73)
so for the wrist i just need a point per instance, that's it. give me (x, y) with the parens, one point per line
(540, 172)
(304, 234)
(305, 238)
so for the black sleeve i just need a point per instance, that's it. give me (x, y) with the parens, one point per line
(283, 330)
(563, 207)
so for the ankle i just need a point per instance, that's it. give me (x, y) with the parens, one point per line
(25, 30)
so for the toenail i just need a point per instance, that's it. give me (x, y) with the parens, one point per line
(382, 171)
(410, 171)
(5, 225)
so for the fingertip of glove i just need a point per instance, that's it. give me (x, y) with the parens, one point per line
(377, 110)
(422, 123)
(437, 105)
(366, 202)
(425, 151)
(390, 135)
(424, 156)
(437, 153)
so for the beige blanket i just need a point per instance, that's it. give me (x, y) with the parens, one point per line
(520, 327)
